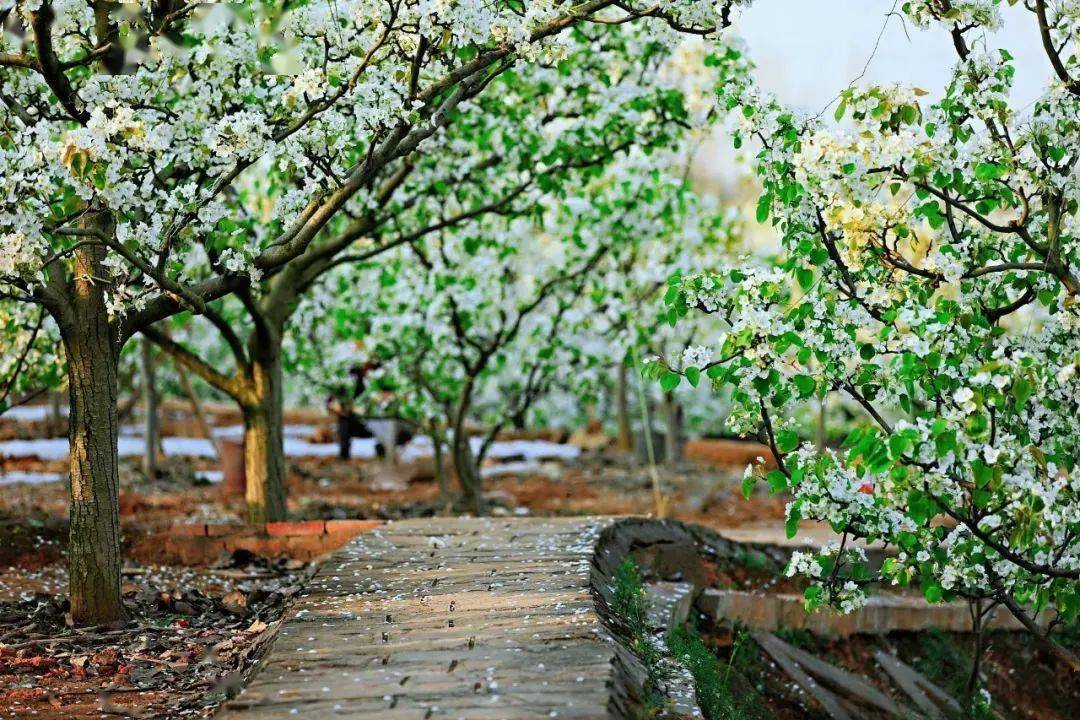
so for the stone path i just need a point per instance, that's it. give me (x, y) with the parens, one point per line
(482, 619)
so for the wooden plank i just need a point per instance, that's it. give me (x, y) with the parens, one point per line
(847, 682)
(444, 618)
(927, 696)
(777, 649)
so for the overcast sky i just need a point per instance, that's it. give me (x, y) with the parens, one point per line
(808, 50)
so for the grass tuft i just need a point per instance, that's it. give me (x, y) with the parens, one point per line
(714, 680)
(631, 606)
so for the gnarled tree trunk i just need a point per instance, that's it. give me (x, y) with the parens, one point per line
(439, 467)
(264, 447)
(465, 463)
(92, 350)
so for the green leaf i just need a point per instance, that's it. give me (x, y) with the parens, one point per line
(945, 442)
(693, 376)
(990, 171)
(805, 277)
(840, 110)
(812, 597)
(898, 445)
(921, 508)
(792, 525)
(777, 481)
(748, 484)
(1022, 391)
(805, 385)
(933, 592)
(764, 207)
(787, 440)
(669, 381)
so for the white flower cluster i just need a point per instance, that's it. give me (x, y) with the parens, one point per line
(962, 13)
(928, 278)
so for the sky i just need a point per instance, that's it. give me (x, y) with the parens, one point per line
(807, 51)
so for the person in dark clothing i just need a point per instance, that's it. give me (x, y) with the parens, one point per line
(351, 425)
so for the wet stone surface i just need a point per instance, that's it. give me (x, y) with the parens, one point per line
(444, 618)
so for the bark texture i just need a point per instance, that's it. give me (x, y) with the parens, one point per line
(465, 463)
(467, 471)
(94, 542)
(151, 425)
(673, 430)
(264, 447)
(439, 468)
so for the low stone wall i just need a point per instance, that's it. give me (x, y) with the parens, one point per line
(202, 544)
(665, 547)
(883, 614)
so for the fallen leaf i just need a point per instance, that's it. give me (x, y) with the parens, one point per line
(235, 602)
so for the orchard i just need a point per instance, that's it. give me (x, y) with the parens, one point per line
(292, 291)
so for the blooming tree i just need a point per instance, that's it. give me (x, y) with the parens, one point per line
(471, 328)
(929, 276)
(532, 132)
(143, 184)
(29, 366)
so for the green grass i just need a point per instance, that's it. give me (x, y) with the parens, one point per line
(721, 688)
(802, 639)
(754, 560)
(631, 606)
(713, 679)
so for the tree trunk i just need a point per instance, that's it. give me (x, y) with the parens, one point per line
(440, 467)
(197, 408)
(56, 422)
(151, 426)
(344, 433)
(94, 540)
(264, 447)
(673, 430)
(467, 471)
(465, 464)
(625, 440)
(391, 444)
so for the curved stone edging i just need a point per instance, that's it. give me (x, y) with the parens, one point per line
(668, 539)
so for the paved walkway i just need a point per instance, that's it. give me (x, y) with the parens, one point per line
(482, 619)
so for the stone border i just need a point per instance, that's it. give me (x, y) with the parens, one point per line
(883, 613)
(658, 543)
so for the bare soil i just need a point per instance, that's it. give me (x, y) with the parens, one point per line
(191, 638)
